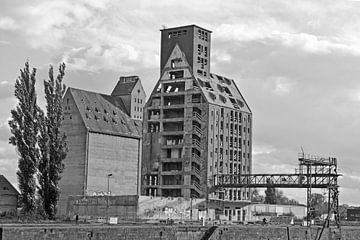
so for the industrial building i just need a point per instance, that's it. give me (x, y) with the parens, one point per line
(104, 141)
(196, 123)
(8, 196)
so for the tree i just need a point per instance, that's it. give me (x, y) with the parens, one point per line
(24, 129)
(282, 199)
(52, 143)
(270, 197)
(318, 203)
(257, 197)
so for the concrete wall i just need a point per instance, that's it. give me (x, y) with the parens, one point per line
(114, 155)
(123, 207)
(281, 233)
(69, 232)
(172, 208)
(73, 176)
(175, 232)
(136, 94)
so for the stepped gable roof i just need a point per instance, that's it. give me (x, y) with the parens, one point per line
(105, 114)
(216, 89)
(222, 91)
(6, 188)
(125, 85)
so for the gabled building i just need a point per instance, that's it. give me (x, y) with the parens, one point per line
(131, 92)
(104, 143)
(8, 196)
(196, 123)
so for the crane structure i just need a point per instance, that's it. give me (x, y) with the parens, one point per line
(313, 172)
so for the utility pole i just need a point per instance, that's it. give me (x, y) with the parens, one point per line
(107, 198)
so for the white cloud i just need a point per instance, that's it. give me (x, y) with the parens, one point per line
(220, 55)
(262, 149)
(355, 95)
(280, 85)
(7, 23)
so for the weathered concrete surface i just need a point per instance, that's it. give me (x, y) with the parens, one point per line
(122, 207)
(167, 232)
(138, 232)
(282, 233)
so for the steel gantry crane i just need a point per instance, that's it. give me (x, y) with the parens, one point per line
(313, 172)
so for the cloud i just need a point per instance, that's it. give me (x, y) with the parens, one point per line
(280, 85)
(6, 89)
(355, 95)
(7, 23)
(262, 149)
(220, 55)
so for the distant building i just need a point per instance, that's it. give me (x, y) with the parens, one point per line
(8, 195)
(104, 142)
(353, 214)
(257, 212)
(196, 123)
(132, 93)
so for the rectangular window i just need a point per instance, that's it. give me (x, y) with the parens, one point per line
(176, 74)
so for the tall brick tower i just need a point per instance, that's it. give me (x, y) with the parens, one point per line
(196, 124)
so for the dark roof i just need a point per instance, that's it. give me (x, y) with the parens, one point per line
(185, 26)
(105, 114)
(125, 85)
(6, 188)
(222, 91)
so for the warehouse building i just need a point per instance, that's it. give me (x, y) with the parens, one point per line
(104, 140)
(196, 123)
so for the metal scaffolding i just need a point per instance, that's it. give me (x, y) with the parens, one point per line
(313, 172)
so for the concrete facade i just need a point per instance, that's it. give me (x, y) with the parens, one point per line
(92, 207)
(116, 155)
(102, 139)
(196, 124)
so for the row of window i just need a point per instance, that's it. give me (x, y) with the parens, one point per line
(203, 35)
(177, 33)
(200, 72)
(138, 109)
(202, 61)
(233, 127)
(234, 115)
(202, 49)
(233, 141)
(233, 195)
(98, 111)
(232, 156)
(138, 100)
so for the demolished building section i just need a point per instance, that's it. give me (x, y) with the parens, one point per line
(196, 124)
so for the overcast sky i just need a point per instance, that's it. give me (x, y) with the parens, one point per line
(296, 62)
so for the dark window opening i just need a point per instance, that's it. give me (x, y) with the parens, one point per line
(176, 74)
